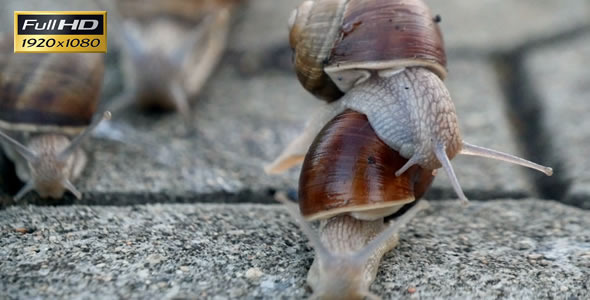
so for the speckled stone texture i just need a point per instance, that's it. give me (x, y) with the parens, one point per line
(487, 250)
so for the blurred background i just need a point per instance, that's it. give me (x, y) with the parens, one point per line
(517, 74)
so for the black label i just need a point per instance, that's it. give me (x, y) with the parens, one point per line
(61, 24)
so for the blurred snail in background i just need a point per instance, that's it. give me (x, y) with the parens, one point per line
(45, 99)
(383, 60)
(169, 49)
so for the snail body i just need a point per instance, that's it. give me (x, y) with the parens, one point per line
(46, 98)
(384, 61)
(351, 206)
(169, 49)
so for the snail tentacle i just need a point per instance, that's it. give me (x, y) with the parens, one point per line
(441, 154)
(474, 150)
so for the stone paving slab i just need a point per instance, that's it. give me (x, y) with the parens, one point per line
(262, 24)
(561, 76)
(511, 249)
(493, 25)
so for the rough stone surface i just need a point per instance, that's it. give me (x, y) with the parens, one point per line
(494, 25)
(564, 89)
(487, 250)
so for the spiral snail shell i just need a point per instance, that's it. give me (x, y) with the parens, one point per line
(46, 98)
(337, 42)
(351, 206)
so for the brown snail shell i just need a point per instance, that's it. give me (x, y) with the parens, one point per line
(348, 183)
(348, 169)
(333, 39)
(45, 99)
(55, 92)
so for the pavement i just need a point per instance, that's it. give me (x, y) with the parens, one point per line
(177, 213)
(512, 249)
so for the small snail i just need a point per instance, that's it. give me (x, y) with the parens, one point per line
(45, 99)
(169, 49)
(388, 125)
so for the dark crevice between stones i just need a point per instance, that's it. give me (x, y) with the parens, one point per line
(526, 112)
(9, 182)
(263, 196)
(125, 199)
(435, 193)
(580, 201)
(527, 117)
(544, 41)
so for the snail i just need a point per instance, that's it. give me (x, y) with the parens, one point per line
(351, 206)
(387, 126)
(169, 49)
(386, 60)
(46, 98)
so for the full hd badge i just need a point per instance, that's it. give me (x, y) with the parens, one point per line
(60, 31)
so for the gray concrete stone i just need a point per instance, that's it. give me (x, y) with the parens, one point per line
(481, 108)
(498, 25)
(528, 249)
(262, 25)
(562, 78)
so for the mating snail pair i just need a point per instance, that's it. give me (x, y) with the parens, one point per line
(388, 125)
